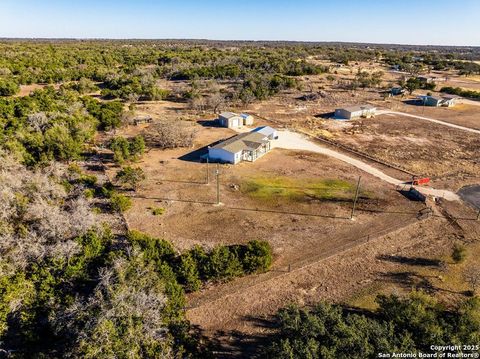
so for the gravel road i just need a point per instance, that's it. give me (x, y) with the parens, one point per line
(295, 141)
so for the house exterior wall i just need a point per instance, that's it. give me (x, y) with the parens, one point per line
(248, 121)
(219, 154)
(431, 102)
(232, 122)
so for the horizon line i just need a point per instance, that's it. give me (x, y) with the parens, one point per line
(230, 40)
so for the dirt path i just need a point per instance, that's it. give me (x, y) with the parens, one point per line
(467, 129)
(295, 141)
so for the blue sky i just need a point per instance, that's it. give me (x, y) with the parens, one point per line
(434, 22)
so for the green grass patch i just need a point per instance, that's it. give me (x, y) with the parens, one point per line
(298, 190)
(157, 211)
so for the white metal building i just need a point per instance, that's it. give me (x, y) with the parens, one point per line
(230, 120)
(247, 119)
(351, 112)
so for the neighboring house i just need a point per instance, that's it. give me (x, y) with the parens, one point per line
(430, 79)
(248, 146)
(233, 120)
(439, 101)
(395, 91)
(355, 112)
(142, 119)
(427, 79)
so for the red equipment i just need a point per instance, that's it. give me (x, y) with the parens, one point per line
(420, 181)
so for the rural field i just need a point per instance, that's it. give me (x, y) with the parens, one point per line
(195, 198)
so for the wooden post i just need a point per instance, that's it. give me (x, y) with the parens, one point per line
(356, 197)
(478, 215)
(217, 173)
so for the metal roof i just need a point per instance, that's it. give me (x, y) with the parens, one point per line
(245, 141)
(228, 114)
(357, 108)
(265, 130)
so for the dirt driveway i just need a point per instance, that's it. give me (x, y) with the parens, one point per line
(295, 141)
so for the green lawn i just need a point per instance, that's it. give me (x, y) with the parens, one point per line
(298, 190)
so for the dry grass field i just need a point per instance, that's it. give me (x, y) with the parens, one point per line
(300, 202)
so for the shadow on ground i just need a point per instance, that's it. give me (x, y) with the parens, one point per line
(414, 261)
(235, 344)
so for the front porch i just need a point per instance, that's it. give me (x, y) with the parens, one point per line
(253, 155)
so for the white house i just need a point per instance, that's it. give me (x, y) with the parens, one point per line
(248, 146)
(355, 112)
(437, 101)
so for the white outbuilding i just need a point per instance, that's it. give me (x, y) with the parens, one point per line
(351, 112)
(247, 119)
(230, 120)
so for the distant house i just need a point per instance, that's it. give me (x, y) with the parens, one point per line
(439, 101)
(248, 146)
(142, 119)
(395, 91)
(355, 112)
(233, 120)
(430, 79)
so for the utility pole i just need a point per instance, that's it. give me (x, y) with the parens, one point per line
(356, 197)
(207, 178)
(217, 173)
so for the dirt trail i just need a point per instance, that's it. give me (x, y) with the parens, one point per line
(295, 141)
(467, 129)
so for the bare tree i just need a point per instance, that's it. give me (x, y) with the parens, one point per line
(216, 101)
(125, 313)
(472, 276)
(170, 134)
(38, 121)
(38, 219)
(198, 103)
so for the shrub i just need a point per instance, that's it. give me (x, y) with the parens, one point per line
(89, 193)
(158, 211)
(461, 92)
(8, 88)
(257, 257)
(131, 176)
(459, 253)
(88, 180)
(154, 249)
(223, 263)
(187, 272)
(120, 202)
